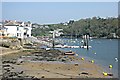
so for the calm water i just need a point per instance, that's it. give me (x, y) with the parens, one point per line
(106, 51)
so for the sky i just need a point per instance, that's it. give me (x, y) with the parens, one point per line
(57, 12)
(60, 0)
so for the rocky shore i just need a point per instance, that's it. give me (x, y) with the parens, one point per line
(41, 63)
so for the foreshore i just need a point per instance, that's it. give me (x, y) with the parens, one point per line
(41, 63)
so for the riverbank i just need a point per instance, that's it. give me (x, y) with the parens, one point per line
(103, 52)
(43, 63)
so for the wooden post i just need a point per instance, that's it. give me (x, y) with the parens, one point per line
(53, 39)
(87, 36)
(84, 38)
(53, 44)
(86, 43)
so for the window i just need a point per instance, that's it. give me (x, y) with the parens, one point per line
(17, 34)
(25, 33)
(3, 34)
(26, 25)
(17, 28)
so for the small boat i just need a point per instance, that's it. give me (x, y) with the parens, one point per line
(116, 59)
(47, 48)
(75, 46)
(86, 47)
(58, 46)
(69, 53)
(82, 41)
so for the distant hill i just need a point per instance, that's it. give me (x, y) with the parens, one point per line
(96, 27)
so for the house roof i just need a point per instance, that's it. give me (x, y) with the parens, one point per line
(12, 23)
(20, 22)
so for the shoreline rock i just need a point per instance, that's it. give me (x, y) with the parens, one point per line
(25, 58)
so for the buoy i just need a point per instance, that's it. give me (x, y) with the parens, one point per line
(76, 54)
(110, 66)
(92, 61)
(105, 74)
(82, 58)
(116, 59)
(95, 53)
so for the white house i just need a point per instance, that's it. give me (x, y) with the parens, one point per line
(20, 32)
(57, 32)
(18, 29)
(11, 28)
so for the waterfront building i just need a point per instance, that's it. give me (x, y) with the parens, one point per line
(18, 29)
(12, 28)
(57, 32)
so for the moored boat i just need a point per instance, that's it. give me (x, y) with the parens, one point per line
(69, 53)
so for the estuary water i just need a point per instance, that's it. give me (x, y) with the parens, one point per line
(104, 52)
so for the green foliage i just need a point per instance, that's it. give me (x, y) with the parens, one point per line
(96, 27)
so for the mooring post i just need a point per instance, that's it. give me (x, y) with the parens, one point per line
(53, 39)
(87, 36)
